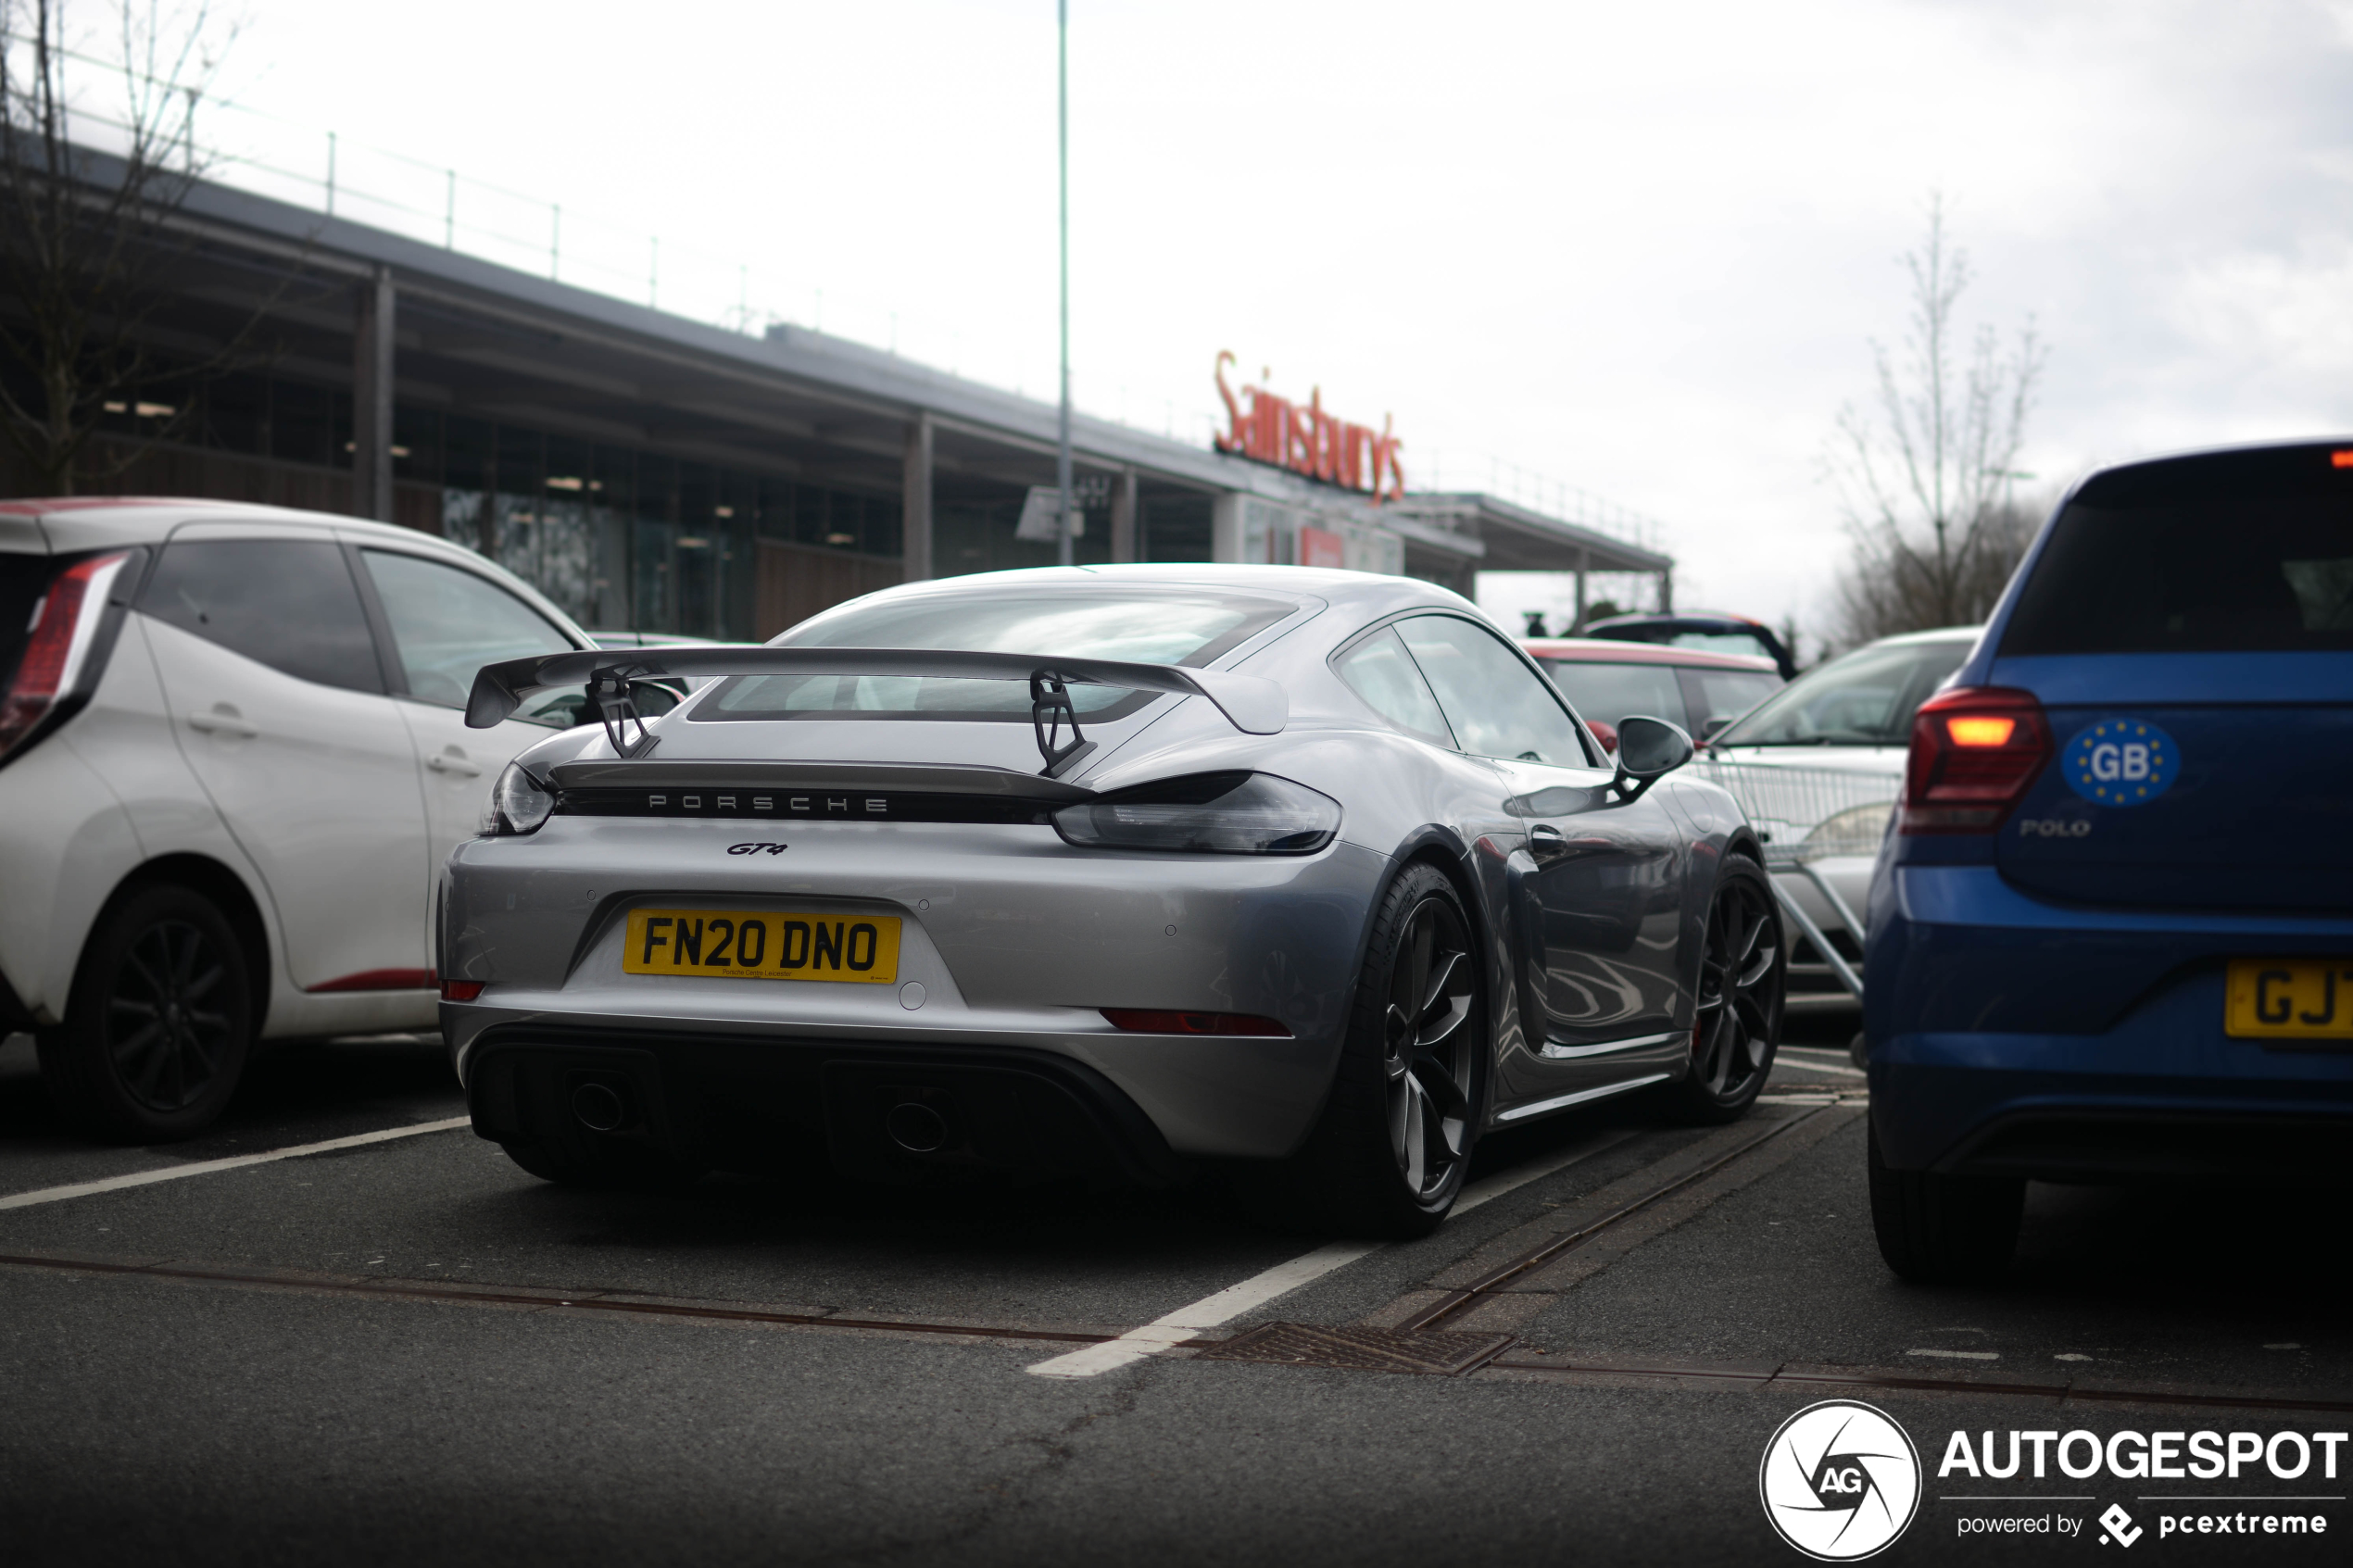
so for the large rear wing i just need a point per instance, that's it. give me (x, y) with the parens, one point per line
(1252, 705)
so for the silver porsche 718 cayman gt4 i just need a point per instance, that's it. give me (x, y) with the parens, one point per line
(1117, 871)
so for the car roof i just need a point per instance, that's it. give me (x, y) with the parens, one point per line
(1314, 588)
(78, 522)
(1598, 650)
(74, 523)
(1695, 618)
(1939, 634)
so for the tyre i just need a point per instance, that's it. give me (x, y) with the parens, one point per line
(158, 1024)
(1737, 1020)
(1388, 1157)
(1944, 1230)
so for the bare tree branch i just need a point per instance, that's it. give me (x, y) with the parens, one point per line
(87, 243)
(1927, 477)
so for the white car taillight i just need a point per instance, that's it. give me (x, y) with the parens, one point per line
(57, 650)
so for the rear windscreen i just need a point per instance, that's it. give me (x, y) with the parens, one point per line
(1158, 628)
(2198, 566)
(23, 579)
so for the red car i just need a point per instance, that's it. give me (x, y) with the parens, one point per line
(1606, 681)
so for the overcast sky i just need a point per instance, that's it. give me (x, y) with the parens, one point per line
(1640, 249)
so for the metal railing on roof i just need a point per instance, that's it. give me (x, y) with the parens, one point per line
(1442, 473)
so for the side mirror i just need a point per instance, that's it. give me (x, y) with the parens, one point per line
(1648, 749)
(1605, 734)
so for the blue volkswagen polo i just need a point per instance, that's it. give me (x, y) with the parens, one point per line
(2111, 929)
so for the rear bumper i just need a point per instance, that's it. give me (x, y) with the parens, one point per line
(744, 1104)
(2165, 1094)
(2009, 1037)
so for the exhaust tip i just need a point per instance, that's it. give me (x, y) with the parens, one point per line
(599, 1107)
(916, 1128)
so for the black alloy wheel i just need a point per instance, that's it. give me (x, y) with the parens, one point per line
(1737, 1008)
(160, 1022)
(1427, 1045)
(1389, 1155)
(165, 1026)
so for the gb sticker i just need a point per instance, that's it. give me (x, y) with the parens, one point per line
(2121, 762)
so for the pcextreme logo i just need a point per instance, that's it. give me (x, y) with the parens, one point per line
(1840, 1480)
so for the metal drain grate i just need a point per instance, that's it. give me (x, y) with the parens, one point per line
(1358, 1349)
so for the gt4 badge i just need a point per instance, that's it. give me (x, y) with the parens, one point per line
(755, 848)
(2121, 762)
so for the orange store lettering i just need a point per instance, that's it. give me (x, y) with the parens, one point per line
(1309, 441)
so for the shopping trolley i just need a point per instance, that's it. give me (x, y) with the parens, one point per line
(1806, 815)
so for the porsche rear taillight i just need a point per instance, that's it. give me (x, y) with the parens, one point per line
(56, 647)
(1975, 751)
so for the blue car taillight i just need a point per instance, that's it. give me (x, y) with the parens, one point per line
(1975, 752)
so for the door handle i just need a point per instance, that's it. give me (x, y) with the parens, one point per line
(224, 720)
(1545, 843)
(453, 761)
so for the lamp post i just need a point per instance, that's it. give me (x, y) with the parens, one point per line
(1062, 447)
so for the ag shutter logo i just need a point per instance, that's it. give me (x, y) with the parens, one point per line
(2120, 762)
(1840, 1480)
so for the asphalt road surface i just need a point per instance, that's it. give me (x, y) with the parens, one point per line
(400, 1347)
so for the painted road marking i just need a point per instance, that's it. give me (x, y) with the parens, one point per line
(207, 1167)
(1788, 1057)
(1176, 1328)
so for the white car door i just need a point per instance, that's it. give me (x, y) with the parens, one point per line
(278, 702)
(445, 623)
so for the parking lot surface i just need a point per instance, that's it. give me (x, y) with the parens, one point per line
(406, 1347)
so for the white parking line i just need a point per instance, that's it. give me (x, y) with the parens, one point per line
(1801, 1065)
(207, 1167)
(1176, 1328)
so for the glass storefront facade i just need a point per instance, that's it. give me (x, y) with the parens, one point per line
(626, 539)
(623, 539)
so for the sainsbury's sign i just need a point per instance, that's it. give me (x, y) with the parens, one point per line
(1308, 441)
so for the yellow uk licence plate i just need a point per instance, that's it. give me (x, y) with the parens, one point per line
(2289, 1000)
(738, 945)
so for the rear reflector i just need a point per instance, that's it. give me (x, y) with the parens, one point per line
(56, 644)
(378, 980)
(1143, 1022)
(2341, 459)
(1975, 751)
(461, 990)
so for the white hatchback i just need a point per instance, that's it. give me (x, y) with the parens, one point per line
(1818, 766)
(232, 757)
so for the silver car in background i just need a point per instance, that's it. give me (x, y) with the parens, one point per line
(1121, 872)
(1818, 766)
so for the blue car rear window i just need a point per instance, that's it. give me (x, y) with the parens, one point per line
(2240, 554)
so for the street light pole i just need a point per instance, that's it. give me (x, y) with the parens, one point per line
(1062, 449)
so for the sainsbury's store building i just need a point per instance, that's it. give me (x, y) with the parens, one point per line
(651, 472)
